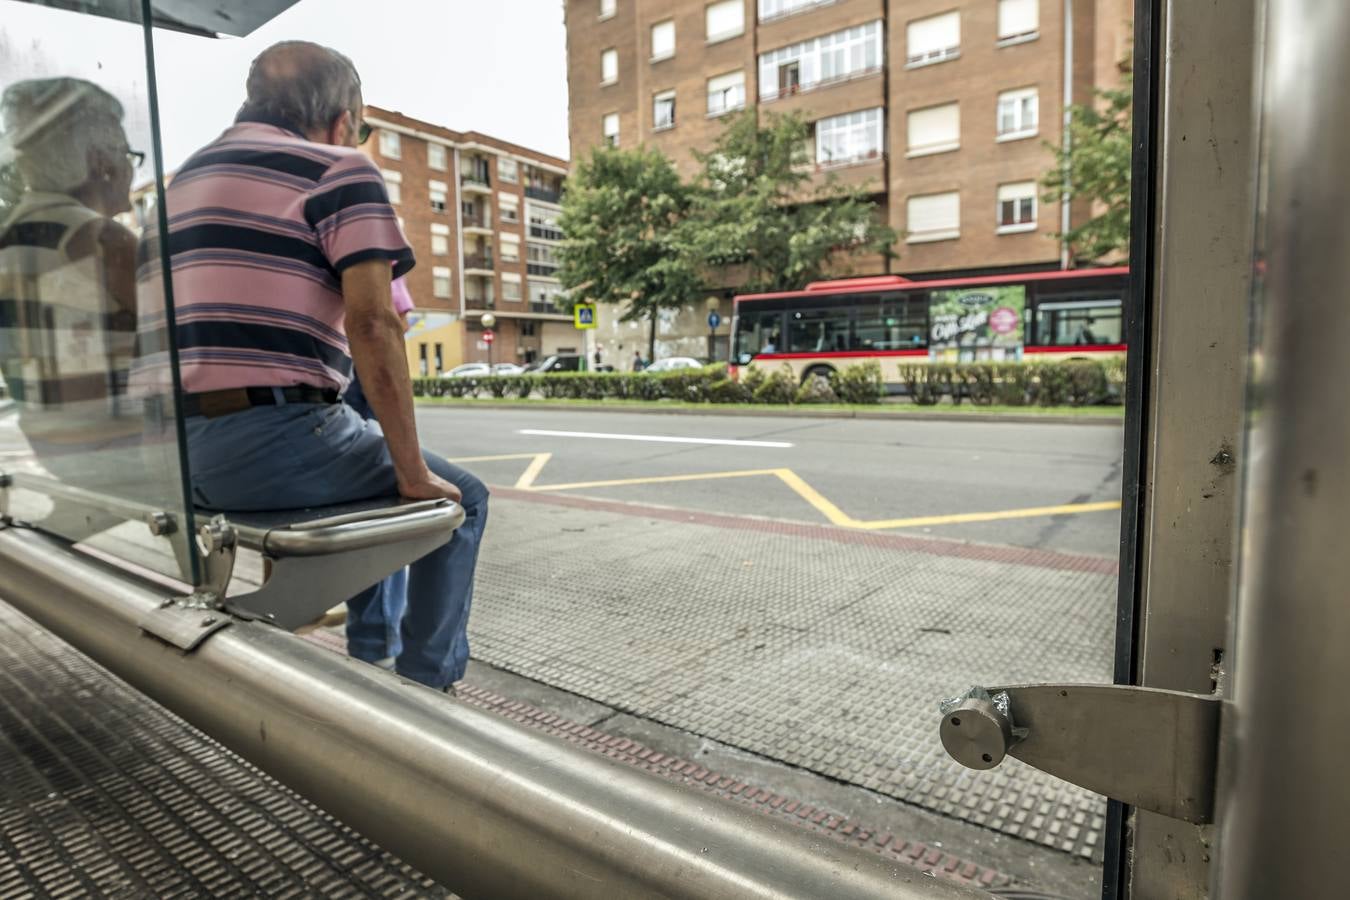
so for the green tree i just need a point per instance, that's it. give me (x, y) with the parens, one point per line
(756, 206)
(1096, 167)
(621, 216)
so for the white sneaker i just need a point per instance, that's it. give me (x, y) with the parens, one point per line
(386, 663)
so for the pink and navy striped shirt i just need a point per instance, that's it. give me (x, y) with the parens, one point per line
(262, 222)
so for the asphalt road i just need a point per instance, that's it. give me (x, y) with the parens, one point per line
(865, 474)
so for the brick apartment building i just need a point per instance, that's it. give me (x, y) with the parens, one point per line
(941, 108)
(481, 215)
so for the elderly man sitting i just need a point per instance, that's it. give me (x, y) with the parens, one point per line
(282, 245)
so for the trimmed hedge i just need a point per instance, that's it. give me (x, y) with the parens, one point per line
(1068, 383)
(1072, 382)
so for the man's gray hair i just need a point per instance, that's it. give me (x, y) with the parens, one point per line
(302, 85)
(51, 125)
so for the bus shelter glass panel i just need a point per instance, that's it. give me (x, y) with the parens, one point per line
(88, 430)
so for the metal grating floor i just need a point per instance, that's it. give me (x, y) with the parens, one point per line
(105, 794)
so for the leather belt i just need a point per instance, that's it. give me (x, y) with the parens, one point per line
(214, 404)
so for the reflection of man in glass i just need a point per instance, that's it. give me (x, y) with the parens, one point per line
(68, 284)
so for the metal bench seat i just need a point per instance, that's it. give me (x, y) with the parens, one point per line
(314, 558)
(320, 556)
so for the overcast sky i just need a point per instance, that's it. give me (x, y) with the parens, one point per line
(494, 66)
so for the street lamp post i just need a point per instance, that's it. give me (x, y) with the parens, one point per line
(488, 321)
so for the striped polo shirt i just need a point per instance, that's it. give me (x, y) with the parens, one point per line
(262, 222)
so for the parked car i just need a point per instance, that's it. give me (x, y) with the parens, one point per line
(569, 362)
(507, 369)
(674, 363)
(468, 370)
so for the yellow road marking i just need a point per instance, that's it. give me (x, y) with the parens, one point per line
(817, 500)
(656, 479)
(827, 509)
(1068, 509)
(469, 459)
(526, 480)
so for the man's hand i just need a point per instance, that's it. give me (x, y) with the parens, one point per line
(429, 487)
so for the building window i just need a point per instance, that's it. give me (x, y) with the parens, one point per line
(849, 138)
(544, 224)
(610, 127)
(440, 239)
(541, 259)
(609, 66)
(1017, 207)
(606, 8)
(725, 19)
(726, 92)
(393, 185)
(436, 157)
(438, 191)
(510, 248)
(509, 208)
(776, 9)
(822, 60)
(440, 360)
(511, 288)
(1018, 20)
(422, 359)
(1018, 114)
(1079, 322)
(544, 292)
(663, 110)
(936, 129)
(391, 145)
(440, 282)
(508, 169)
(933, 40)
(663, 40)
(935, 217)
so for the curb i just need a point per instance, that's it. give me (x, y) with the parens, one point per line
(790, 412)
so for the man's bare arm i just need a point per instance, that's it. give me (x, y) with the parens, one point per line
(376, 337)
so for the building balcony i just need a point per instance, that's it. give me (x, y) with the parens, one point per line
(542, 306)
(546, 270)
(476, 225)
(475, 183)
(478, 263)
(478, 303)
(544, 233)
(543, 194)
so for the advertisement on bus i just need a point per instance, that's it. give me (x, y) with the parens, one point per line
(977, 324)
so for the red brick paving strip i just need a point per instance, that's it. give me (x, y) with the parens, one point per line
(1018, 556)
(932, 861)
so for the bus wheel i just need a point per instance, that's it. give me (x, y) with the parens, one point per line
(823, 371)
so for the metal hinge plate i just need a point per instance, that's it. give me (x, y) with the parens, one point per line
(1150, 748)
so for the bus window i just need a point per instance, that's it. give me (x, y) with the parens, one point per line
(894, 323)
(758, 332)
(1078, 322)
(818, 331)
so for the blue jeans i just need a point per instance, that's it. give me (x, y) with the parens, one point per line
(300, 454)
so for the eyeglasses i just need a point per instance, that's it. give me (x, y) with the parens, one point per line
(136, 158)
(363, 133)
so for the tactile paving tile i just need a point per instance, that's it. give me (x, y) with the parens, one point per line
(825, 655)
(105, 794)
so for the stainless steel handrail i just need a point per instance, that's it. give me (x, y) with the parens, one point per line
(348, 531)
(487, 807)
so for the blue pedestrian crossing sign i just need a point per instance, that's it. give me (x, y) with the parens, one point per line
(583, 315)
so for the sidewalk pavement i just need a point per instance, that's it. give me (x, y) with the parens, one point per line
(811, 645)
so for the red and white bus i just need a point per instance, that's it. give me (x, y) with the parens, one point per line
(890, 319)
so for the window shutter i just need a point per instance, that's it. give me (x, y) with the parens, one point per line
(936, 126)
(935, 212)
(930, 36)
(1017, 17)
